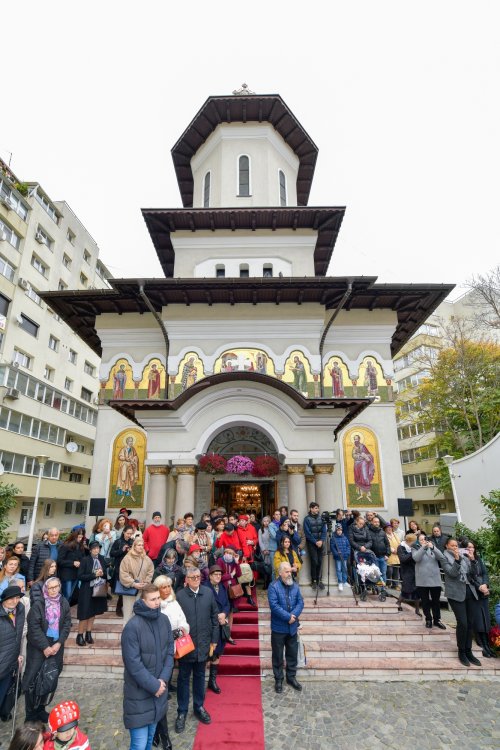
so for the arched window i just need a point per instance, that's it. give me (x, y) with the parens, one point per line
(206, 191)
(282, 180)
(267, 270)
(244, 271)
(244, 176)
(220, 271)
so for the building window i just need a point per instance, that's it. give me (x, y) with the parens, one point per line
(220, 272)
(68, 384)
(48, 373)
(12, 201)
(6, 269)
(86, 256)
(88, 368)
(244, 271)
(4, 305)
(73, 477)
(53, 343)
(83, 279)
(99, 269)
(22, 359)
(267, 270)
(86, 395)
(28, 325)
(244, 176)
(206, 190)
(72, 356)
(43, 238)
(48, 207)
(33, 295)
(61, 286)
(431, 509)
(282, 183)
(40, 267)
(419, 480)
(66, 261)
(8, 234)
(70, 236)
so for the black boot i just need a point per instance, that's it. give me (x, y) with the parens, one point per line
(80, 640)
(463, 659)
(470, 656)
(488, 653)
(251, 601)
(88, 637)
(212, 684)
(165, 741)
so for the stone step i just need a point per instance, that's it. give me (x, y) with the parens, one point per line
(362, 632)
(384, 649)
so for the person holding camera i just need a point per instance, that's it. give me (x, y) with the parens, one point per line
(315, 532)
(428, 580)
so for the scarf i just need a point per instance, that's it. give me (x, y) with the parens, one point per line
(96, 565)
(52, 609)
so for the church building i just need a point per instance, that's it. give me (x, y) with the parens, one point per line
(246, 377)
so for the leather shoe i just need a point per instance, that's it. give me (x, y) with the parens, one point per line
(440, 625)
(278, 686)
(180, 723)
(428, 623)
(472, 658)
(203, 715)
(293, 682)
(321, 585)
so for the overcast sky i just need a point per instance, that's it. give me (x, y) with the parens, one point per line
(401, 98)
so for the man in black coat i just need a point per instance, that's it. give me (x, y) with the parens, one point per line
(199, 606)
(11, 630)
(380, 545)
(42, 552)
(148, 656)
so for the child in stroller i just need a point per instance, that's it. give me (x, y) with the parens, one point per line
(368, 576)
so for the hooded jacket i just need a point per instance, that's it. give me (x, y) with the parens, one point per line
(10, 639)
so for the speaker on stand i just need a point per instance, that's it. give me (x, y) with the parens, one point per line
(97, 507)
(405, 508)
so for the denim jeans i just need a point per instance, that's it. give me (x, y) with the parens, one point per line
(382, 564)
(141, 738)
(340, 567)
(67, 589)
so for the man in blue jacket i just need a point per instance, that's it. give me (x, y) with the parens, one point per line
(286, 604)
(148, 656)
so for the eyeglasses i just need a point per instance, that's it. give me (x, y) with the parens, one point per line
(194, 577)
(53, 588)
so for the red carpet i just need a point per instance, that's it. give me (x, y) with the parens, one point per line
(237, 712)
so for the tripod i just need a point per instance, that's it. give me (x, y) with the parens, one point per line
(327, 555)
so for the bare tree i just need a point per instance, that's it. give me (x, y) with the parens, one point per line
(485, 298)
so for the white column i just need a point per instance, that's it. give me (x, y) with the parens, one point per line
(157, 493)
(184, 496)
(310, 489)
(323, 474)
(297, 500)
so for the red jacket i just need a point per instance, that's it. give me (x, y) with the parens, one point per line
(245, 535)
(226, 540)
(154, 539)
(81, 741)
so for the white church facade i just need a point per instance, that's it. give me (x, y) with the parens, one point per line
(246, 347)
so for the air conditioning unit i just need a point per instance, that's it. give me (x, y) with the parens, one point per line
(23, 283)
(40, 238)
(5, 202)
(19, 320)
(12, 393)
(66, 469)
(15, 364)
(3, 237)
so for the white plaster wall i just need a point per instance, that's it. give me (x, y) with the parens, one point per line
(268, 153)
(473, 476)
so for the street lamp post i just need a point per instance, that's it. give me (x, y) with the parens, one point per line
(42, 460)
(449, 463)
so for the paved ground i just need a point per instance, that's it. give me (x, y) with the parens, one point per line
(326, 716)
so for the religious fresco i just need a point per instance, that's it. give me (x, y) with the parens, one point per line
(371, 382)
(362, 476)
(190, 371)
(120, 383)
(126, 481)
(246, 360)
(298, 373)
(336, 380)
(152, 385)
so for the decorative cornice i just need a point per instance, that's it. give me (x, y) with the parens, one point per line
(323, 468)
(189, 470)
(165, 470)
(296, 469)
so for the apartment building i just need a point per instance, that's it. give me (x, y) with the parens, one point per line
(48, 375)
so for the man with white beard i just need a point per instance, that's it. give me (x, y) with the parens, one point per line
(286, 604)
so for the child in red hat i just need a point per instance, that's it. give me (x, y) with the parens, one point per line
(64, 732)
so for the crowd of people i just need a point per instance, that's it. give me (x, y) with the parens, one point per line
(177, 589)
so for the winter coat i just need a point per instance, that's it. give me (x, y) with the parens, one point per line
(248, 534)
(223, 607)
(407, 570)
(284, 601)
(293, 537)
(39, 554)
(25, 565)
(339, 543)
(439, 541)
(80, 742)
(171, 608)
(299, 530)
(359, 537)
(314, 528)
(148, 656)
(427, 570)
(454, 588)
(228, 540)
(380, 543)
(136, 568)
(88, 606)
(280, 557)
(230, 571)
(36, 592)
(10, 639)
(201, 613)
(394, 543)
(65, 559)
(117, 554)
(154, 538)
(106, 542)
(38, 640)
(273, 544)
(176, 573)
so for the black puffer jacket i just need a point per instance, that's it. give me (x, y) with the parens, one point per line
(10, 639)
(148, 656)
(380, 542)
(65, 559)
(359, 537)
(201, 613)
(39, 554)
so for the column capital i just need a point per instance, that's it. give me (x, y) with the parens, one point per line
(296, 469)
(191, 470)
(309, 478)
(159, 470)
(323, 468)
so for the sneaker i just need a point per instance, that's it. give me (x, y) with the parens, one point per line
(347, 585)
(341, 586)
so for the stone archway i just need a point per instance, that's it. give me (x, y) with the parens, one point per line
(242, 440)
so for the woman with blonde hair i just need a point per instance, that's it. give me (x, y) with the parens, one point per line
(10, 573)
(169, 605)
(136, 570)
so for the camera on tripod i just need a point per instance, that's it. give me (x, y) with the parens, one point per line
(329, 517)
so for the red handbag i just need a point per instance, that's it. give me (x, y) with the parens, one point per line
(183, 645)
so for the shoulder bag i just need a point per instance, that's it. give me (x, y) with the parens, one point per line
(127, 590)
(183, 645)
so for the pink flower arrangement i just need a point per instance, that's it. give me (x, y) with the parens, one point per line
(265, 466)
(212, 463)
(239, 465)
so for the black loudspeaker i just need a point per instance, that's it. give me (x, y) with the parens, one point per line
(97, 506)
(405, 506)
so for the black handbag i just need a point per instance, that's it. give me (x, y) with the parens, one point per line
(44, 685)
(225, 631)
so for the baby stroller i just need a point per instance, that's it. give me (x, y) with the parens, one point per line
(367, 576)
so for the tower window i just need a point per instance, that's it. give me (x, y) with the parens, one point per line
(220, 272)
(244, 271)
(244, 176)
(267, 270)
(282, 179)
(206, 191)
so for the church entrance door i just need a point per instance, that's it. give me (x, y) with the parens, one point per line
(252, 496)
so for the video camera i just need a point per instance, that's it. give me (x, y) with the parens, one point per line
(329, 517)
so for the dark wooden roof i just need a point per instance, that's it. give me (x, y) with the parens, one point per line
(353, 406)
(252, 108)
(161, 222)
(413, 303)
